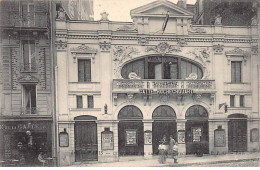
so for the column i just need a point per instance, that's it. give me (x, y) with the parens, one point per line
(181, 137)
(148, 145)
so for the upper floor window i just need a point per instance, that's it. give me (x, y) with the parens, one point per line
(84, 70)
(156, 67)
(79, 102)
(242, 101)
(29, 56)
(29, 99)
(232, 100)
(236, 71)
(90, 102)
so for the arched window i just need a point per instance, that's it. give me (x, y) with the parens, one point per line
(158, 67)
(130, 112)
(196, 112)
(164, 112)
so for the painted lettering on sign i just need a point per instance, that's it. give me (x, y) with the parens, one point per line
(166, 91)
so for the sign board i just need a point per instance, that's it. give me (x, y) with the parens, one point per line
(254, 135)
(181, 136)
(148, 137)
(131, 137)
(219, 138)
(107, 140)
(64, 139)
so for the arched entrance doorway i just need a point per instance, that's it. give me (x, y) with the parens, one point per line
(164, 124)
(130, 131)
(86, 146)
(197, 133)
(237, 133)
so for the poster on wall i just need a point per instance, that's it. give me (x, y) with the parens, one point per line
(181, 136)
(107, 140)
(64, 139)
(196, 134)
(148, 137)
(220, 138)
(131, 137)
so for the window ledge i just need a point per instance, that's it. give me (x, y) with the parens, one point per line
(84, 82)
(241, 108)
(236, 83)
(85, 109)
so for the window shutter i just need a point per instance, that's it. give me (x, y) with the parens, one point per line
(233, 72)
(87, 70)
(81, 70)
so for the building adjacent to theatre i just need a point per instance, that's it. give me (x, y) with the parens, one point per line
(122, 86)
(27, 80)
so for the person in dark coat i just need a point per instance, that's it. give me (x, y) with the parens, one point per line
(173, 149)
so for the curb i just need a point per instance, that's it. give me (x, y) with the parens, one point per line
(213, 162)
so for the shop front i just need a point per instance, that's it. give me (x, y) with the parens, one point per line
(23, 141)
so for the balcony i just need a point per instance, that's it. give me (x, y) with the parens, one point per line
(40, 111)
(31, 67)
(29, 110)
(163, 86)
(30, 19)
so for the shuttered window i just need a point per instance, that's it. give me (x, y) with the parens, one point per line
(84, 70)
(236, 71)
(232, 100)
(79, 102)
(242, 97)
(90, 102)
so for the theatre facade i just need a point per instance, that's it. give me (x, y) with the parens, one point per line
(120, 86)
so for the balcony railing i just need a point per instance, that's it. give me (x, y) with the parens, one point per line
(30, 19)
(162, 86)
(31, 67)
(29, 110)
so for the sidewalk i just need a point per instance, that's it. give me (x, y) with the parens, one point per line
(182, 161)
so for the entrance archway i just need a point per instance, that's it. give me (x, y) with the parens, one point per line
(197, 133)
(164, 123)
(86, 146)
(237, 133)
(130, 131)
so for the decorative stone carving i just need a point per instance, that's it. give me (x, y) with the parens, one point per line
(254, 49)
(83, 49)
(27, 78)
(147, 99)
(218, 19)
(164, 98)
(218, 49)
(133, 75)
(127, 28)
(212, 97)
(197, 98)
(191, 29)
(180, 99)
(254, 21)
(61, 14)
(143, 41)
(181, 42)
(237, 52)
(192, 76)
(60, 45)
(105, 46)
(130, 97)
(202, 56)
(163, 48)
(104, 16)
(122, 53)
(115, 99)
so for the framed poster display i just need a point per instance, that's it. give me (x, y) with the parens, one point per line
(196, 134)
(219, 138)
(107, 140)
(64, 139)
(148, 137)
(181, 136)
(131, 137)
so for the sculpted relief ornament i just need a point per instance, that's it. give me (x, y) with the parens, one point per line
(163, 48)
(201, 55)
(121, 54)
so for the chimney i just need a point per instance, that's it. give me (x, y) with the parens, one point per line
(182, 3)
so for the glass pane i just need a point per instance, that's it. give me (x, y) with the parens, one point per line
(79, 102)
(232, 101)
(90, 102)
(87, 69)
(242, 101)
(233, 72)
(81, 70)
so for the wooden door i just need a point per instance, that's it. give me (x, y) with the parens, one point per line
(237, 135)
(86, 148)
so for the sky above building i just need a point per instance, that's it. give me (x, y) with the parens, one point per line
(119, 10)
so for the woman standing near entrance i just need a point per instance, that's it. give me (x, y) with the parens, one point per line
(163, 149)
(173, 149)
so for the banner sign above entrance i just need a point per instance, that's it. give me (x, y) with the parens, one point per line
(163, 86)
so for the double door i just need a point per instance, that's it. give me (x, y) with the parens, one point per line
(237, 135)
(86, 147)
